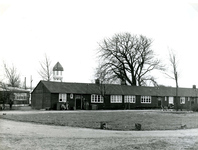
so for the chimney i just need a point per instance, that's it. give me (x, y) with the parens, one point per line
(194, 86)
(123, 82)
(97, 81)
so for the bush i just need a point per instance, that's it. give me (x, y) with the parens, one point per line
(195, 108)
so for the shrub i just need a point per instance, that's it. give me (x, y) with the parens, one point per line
(195, 108)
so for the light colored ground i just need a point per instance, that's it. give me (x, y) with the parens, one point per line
(21, 135)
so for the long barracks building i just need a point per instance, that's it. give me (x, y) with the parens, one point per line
(87, 96)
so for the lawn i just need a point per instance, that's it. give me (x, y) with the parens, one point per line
(115, 120)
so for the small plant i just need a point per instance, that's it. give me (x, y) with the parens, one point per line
(195, 108)
(183, 126)
(103, 125)
(138, 126)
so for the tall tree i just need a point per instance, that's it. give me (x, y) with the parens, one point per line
(46, 71)
(129, 58)
(173, 73)
(12, 75)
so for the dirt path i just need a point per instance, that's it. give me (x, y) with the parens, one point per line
(20, 135)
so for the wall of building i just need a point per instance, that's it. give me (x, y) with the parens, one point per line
(21, 97)
(37, 97)
(18, 97)
(54, 101)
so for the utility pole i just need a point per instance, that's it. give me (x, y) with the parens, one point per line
(176, 81)
(31, 82)
(25, 83)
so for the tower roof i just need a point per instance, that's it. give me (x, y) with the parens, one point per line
(58, 67)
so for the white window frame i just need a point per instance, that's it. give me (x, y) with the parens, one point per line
(182, 100)
(171, 100)
(146, 99)
(129, 99)
(116, 98)
(62, 97)
(97, 98)
(20, 96)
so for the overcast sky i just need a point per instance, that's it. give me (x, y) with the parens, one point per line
(69, 32)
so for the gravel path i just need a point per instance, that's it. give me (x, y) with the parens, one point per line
(21, 135)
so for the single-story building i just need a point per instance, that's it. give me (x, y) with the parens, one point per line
(86, 96)
(18, 96)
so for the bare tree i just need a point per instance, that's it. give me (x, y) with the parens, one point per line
(12, 75)
(46, 72)
(103, 76)
(173, 74)
(129, 58)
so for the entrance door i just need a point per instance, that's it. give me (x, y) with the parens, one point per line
(159, 102)
(78, 103)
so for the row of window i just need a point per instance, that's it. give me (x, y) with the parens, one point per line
(113, 99)
(57, 73)
(183, 99)
(20, 96)
(118, 99)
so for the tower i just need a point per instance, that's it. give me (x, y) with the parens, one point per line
(58, 72)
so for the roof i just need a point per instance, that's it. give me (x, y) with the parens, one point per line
(58, 67)
(114, 89)
(14, 89)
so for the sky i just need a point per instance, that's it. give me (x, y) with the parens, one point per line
(69, 32)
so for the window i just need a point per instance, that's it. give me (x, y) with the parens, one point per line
(62, 97)
(129, 99)
(182, 100)
(20, 96)
(188, 98)
(96, 98)
(165, 98)
(171, 100)
(116, 98)
(146, 99)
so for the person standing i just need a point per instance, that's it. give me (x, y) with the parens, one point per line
(11, 103)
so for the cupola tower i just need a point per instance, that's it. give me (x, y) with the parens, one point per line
(58, 72)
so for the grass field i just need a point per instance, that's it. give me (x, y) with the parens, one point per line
(116, 120)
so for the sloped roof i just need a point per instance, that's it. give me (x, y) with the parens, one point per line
(14, 89)
(58, 67)
(170, 91)
(113, 89)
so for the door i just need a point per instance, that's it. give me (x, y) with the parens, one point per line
(159, 102)
(78, 103)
